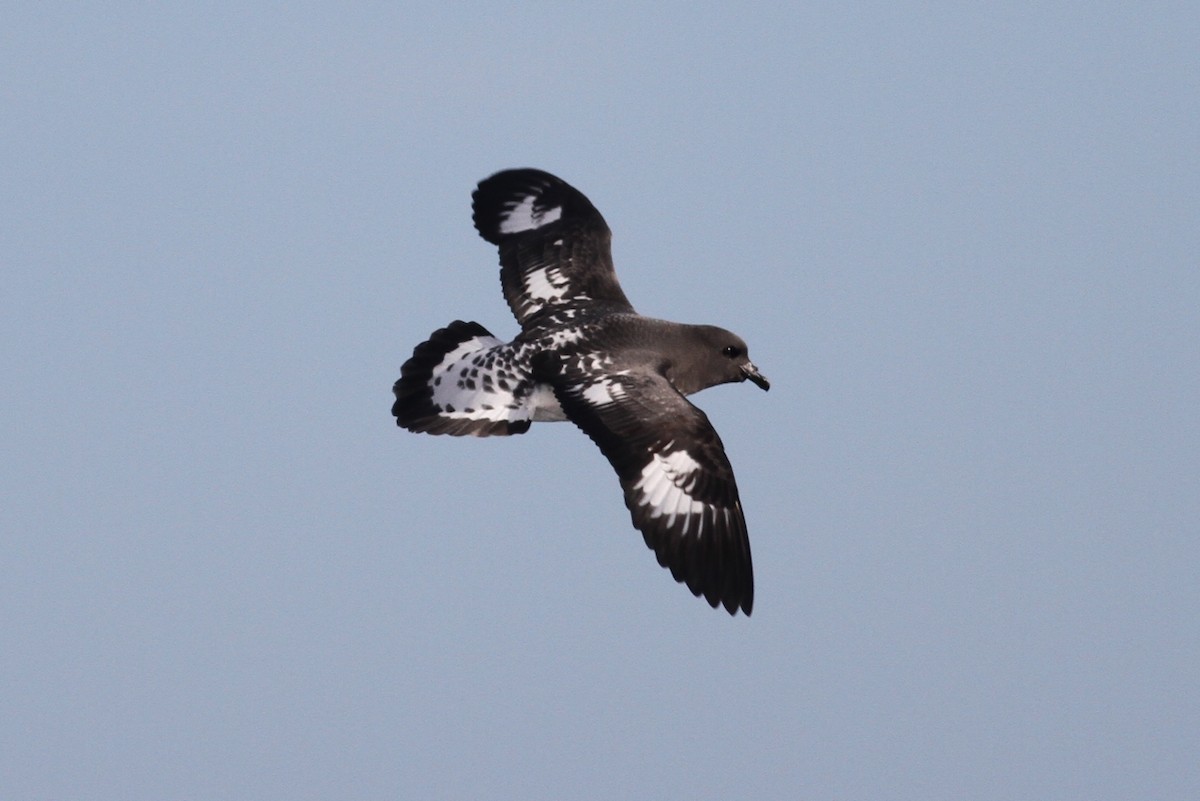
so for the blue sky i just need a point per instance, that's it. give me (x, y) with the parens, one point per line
(963, 243)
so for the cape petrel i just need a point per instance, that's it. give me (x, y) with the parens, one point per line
(585, 355)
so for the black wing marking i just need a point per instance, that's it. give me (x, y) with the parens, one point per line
(554, 244)
(678, 483)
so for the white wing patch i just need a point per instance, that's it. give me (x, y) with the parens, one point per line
(604, 392)
(665, 487)
(525, 216)
(546, 284)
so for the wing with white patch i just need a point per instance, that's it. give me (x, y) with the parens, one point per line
(678, 483)
(554, 245)
(463, 381)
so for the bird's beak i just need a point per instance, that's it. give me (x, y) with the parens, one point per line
(751, 372)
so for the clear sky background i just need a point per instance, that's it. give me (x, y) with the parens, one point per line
(963, 243)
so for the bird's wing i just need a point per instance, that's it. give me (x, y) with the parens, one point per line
(678, 483)
(554, 245)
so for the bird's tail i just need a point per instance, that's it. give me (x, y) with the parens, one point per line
(461, 382)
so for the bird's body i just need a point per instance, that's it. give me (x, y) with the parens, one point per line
(585, 355)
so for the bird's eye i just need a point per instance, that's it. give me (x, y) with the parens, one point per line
(732, 351)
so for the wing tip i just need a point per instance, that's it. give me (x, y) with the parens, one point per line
(535, 196)
(716, 567)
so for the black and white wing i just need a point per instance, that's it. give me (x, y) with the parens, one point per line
(678, 483)
(554, 245)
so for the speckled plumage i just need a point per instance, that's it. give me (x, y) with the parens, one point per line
(585, 355)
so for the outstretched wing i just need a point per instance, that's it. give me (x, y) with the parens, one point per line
(554, 245)
(678, 483)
